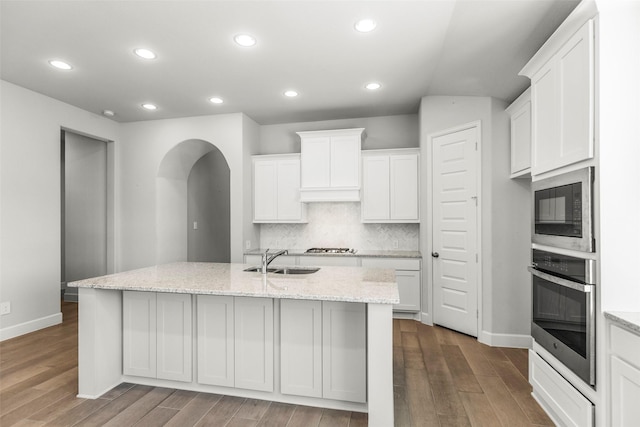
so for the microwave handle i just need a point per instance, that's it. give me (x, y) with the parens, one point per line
(560, 281)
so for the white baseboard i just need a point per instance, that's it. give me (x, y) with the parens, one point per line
(506, 340)
(30, 326)
(426, 318)
(406, 315)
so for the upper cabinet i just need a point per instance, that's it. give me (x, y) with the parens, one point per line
(520, 113)
(276, 189)
(330, 165)
(390, 191)
(562, 101)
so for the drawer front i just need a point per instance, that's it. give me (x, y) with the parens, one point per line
(412, 264)
(626, 345)
(568, 406)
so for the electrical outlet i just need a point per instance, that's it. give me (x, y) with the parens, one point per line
(5, 307)
(195, 225)
(395, 244)
(247, 244)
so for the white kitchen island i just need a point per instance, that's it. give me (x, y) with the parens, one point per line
(321, 339)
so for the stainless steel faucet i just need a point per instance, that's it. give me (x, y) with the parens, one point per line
(266, 259)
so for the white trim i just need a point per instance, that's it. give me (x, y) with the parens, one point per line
(30, 326)
(406, 315)
(426, 318)
(477, 124)
(505, 340)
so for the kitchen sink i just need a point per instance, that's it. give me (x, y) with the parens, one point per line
(285, 270)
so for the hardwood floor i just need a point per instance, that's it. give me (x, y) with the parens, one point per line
(441, 378)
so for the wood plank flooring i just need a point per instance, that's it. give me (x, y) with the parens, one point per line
(441, 378)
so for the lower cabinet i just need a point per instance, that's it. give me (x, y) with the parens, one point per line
(625, 377)
(235, 342)
(323, 349)
(157, 335)
(407, 276)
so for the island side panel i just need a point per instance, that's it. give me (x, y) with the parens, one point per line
(99, 341)
(380, 364)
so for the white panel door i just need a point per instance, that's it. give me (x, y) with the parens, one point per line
(301, 347)
(253, 327)
(375, 188)
(265, 190)
(174, 338)
(139, 333)
(455, 269)
(409, 290)
(625, 393)
(315, 160)
(344, 353)
(404, 187)
(345, 161)
(289, 206)
(545, 119)
(215, 340)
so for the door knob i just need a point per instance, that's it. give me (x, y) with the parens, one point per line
(435, 254)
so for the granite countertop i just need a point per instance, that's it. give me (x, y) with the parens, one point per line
(349, 284)
(628, 319)
(361, 254)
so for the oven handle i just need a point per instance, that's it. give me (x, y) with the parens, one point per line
(560, 281)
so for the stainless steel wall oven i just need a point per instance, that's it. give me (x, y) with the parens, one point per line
(563, 211)
(563, 317)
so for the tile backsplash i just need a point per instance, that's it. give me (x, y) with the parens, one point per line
(339, 225)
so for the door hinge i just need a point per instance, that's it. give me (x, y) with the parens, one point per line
(475, 198)
(476, 145)
(476, 257)
(477, 314)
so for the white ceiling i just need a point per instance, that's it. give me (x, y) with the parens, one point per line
(428, 47)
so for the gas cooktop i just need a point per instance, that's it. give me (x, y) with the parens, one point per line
(330, 251)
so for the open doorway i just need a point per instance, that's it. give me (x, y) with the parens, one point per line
(85, 204)
(193, 204)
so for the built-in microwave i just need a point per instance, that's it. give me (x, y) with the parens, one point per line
(563, 211)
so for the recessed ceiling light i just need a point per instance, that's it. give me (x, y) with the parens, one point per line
(373, 86)
(60, 64)
(108, 113)
(145, 53)
(291, 93)
(149, 107)
(245, 40)
(216, 100)
(365, 25)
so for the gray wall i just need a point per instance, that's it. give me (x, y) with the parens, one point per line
(208, 203)
(382, 132)
(85, 208)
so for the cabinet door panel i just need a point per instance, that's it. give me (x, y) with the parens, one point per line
(521, 139)
(315, 161)
(174, 341)
(139, 333)
(625, 393)
(253, 325)
(301, 347)
(404, 187)
(376, 188)
(265, 189)
(289, 206)
(344, 351)
(546, 119)
(215, 340)
(345, 161)
(575, 64)
(409, 290)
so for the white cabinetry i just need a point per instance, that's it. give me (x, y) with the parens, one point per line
(390, 191)
(344, 351)
(157, 335)
(407, 276)
(301, 347)
(276, 189)
(330, 165)
(562, 97)
(215, 340)
(625, 377)
(235, 342)
(520, 113)
(323, 349)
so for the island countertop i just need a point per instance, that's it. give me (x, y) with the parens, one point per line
(348, 284)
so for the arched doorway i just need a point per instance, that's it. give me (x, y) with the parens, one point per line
(173, 223)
